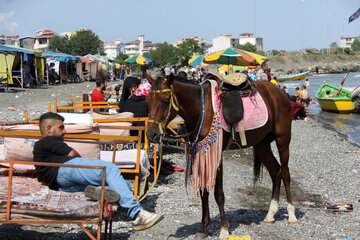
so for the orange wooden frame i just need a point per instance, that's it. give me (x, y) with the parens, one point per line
(80, 222)
(137, 139)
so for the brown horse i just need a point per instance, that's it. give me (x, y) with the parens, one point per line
(169, 98)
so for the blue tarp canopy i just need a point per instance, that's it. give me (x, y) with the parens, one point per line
(62, 57)
(15, 49)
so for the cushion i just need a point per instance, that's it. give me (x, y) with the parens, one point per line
(127, 159)
(20, 149)
(104, 127)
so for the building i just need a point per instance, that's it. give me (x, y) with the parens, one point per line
(203, 43)
(139, 46)
(346, 41)
(42, 39)
(250, 38)
(224, 41)
(2, 39)
(27, 42)
(114, 48)
(12, 40)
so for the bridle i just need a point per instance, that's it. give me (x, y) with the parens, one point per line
(175, 104)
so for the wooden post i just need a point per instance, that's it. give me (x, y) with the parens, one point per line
(21, 71)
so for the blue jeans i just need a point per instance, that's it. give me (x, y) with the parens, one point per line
(76, 179)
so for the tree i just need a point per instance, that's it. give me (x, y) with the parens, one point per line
(121, 58)
(60, 44)
(187, 49)
(355, 46)
(247, 47)
(163, 54)
(334, 45)
(82, 43)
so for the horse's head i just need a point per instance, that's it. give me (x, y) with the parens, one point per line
(163, 106)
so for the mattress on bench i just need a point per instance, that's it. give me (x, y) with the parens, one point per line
(30, 197)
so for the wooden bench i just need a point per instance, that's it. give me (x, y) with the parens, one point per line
(29, 212)
(135, 169)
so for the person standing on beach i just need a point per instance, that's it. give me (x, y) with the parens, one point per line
(304, 96)
(143, 69)
(261, 74)
(52, 149)
(307, 83)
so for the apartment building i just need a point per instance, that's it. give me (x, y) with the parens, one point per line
(139, 46)
(42, 39)
(224, 41)
(203, 43)
(114, 48)
(250, 38)
(346, 41)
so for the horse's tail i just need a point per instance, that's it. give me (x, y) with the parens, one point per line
(257, 167)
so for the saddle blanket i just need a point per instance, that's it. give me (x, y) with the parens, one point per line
(255, 111)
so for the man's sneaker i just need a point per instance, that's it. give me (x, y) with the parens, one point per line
(94, 193)
(145, 220)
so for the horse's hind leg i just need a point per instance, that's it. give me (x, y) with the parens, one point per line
(205, 220)
(283, 147)
(264, 154)
(220, 200)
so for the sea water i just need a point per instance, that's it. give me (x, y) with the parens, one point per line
(347, 124)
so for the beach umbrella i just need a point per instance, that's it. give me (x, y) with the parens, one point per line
(226, 67)
(139, 59)
(196, 61)
(235, 57)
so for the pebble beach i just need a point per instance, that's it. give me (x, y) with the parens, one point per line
(324, 169)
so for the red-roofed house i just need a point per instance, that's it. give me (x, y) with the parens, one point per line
(42, 39)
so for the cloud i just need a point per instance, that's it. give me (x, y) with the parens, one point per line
(6, 23)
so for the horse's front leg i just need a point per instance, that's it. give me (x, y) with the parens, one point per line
(205, 220)
(220, 200)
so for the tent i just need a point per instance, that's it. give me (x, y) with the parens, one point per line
(65, 64)
(12, 59)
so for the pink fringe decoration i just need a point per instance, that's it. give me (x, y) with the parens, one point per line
(203, 159)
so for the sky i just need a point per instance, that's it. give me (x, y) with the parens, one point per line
(283, 24)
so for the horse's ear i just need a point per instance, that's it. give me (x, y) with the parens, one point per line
(171, 78)
(149, 78)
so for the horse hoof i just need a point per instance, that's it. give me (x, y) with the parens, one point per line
(269, 222)
(294, 223)
(200, 235)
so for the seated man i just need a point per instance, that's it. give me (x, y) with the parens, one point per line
(51, 148)
(97, 94)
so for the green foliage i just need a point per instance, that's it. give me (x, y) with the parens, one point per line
(355, 46)
(261, 52)
(121, 58)
(59, 44)
(275, 52)
(247, 47)
(347, 51)
(334, 45)
(82, 43)
(85, 42)
(163, 54)
(187, 49)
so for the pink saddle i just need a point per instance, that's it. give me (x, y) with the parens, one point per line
(255, 111)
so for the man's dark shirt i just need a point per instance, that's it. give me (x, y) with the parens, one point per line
(50, 149)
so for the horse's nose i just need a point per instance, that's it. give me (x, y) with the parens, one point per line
(153, 135)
